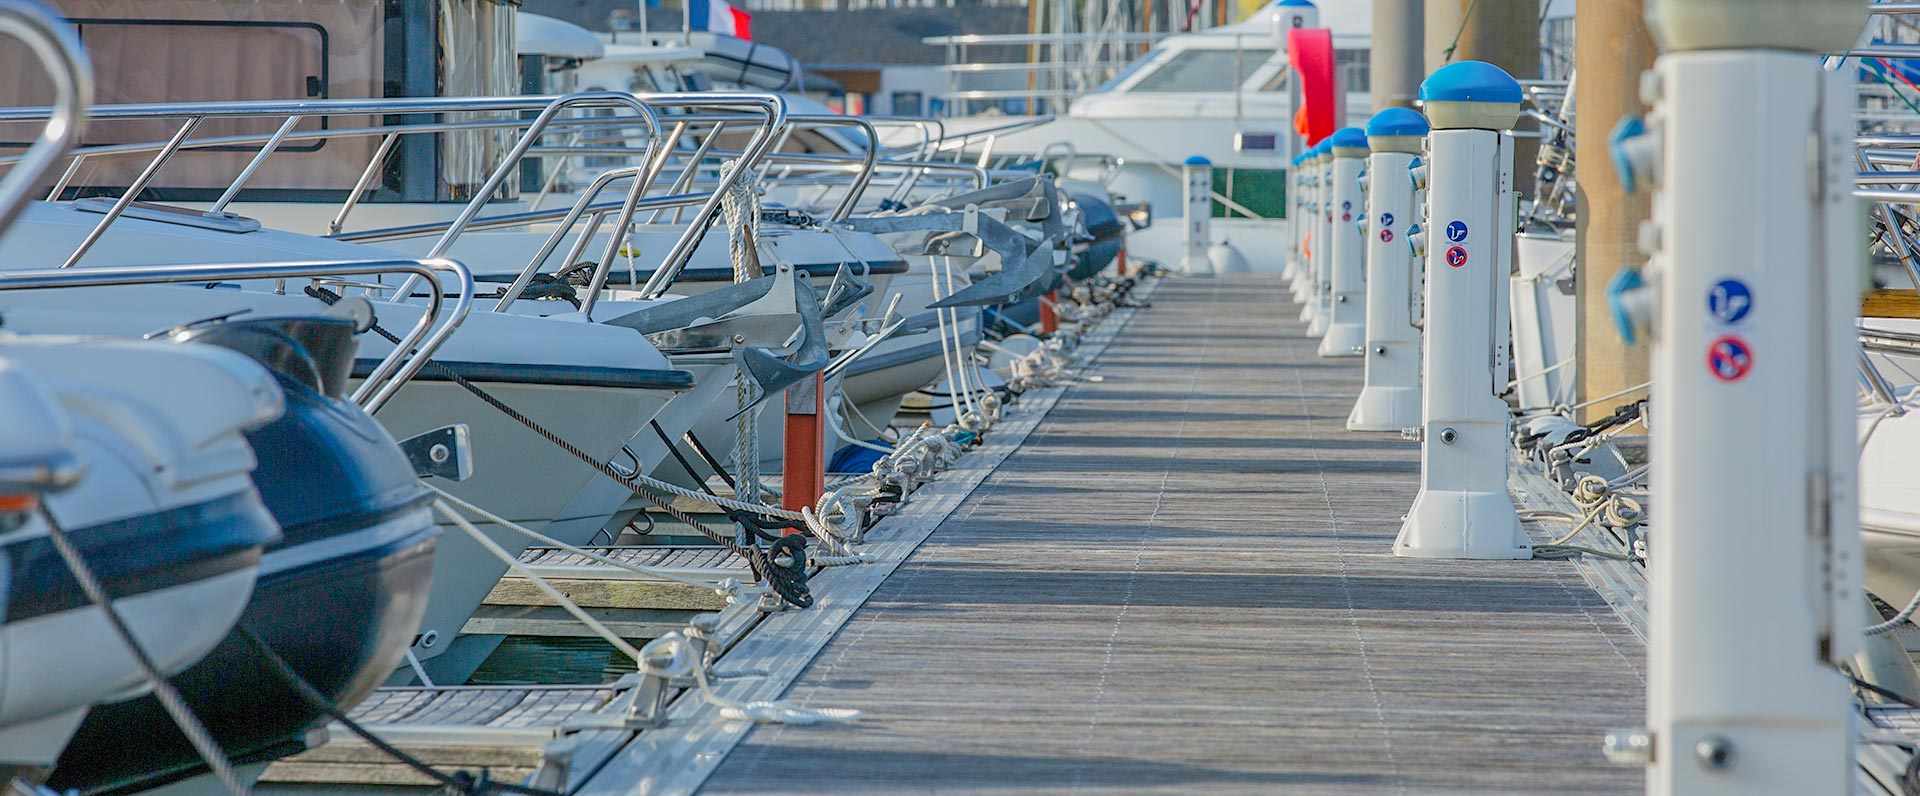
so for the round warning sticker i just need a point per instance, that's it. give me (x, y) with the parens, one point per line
(1729, 301)
(1729, 359)
(1457, 256)
(1386, 236)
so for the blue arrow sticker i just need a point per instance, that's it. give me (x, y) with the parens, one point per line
(1386, 219)
(1729, 300)
(1457, 232)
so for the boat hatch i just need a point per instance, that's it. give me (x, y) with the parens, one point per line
(216, 220)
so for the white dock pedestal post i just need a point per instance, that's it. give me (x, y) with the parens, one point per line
(1390, 393)
(1754, 561)
(1283, 18)
(1324, 213)
(1198, 215)
(1303, 225)
(1309, 228)
(1346, 334)
(1463, 510)
(1291, 273)
(1315, 217)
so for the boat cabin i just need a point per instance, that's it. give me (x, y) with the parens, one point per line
(223, 52)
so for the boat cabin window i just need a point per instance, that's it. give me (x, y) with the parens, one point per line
(1203, 70)
(1356, 74)
(1129, 71)
(220, 51)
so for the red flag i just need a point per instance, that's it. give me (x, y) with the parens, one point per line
(1310, 53)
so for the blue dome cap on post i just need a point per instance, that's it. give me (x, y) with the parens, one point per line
(1197, 160)
(1348, 142)
(1322, 149)
(1471, 95)
(1470, 81)
(1296, 3)
(1398, 121)
(1397, 130)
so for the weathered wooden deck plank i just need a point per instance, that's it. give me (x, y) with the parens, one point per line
(1182, 583)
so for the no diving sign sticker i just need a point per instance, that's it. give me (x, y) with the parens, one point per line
(1729, 358)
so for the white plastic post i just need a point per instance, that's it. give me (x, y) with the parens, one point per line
(1754, 562)
(1325, 212)
(1292, 270)
(1346, 334)
(1286, 15)
(1390, 394)
(1463, 510)
(1282, 18)
(1310, 215)
(1198, 214)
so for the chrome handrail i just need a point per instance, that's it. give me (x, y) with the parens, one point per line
(408, 356)
(775, 108)
(770, 108)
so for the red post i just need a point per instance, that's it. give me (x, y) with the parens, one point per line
(803, 470)
(1120, 265)
(1049, 319)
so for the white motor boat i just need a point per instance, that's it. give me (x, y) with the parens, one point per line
(137, 451)
(593, 385)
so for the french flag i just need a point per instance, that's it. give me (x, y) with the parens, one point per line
(719, 16)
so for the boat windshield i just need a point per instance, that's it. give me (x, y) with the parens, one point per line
(1132, 69)
(1203, 70)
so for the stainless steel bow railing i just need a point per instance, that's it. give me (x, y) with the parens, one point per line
(413, 351)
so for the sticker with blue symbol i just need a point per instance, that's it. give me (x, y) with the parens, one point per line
(1729, 300)
(1729, 359)
(1457, 232)
(1386, 219)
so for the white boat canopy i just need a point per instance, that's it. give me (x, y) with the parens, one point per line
(537, 35)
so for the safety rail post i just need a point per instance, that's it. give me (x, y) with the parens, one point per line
(1753, 284)
(1049, 312)
(1390, 389)
(1197, 172)
(1346, 333)
(1463, 509)
(803, 470)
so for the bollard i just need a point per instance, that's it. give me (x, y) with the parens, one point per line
(1291, 272)
(1754, 576)
(1283, 18)
(1303, 277)
(1198, 214)
(1050, 313)
(1463, 509)
(803, 467)
(1390, 393)
(1320, 288)
(1346, 333)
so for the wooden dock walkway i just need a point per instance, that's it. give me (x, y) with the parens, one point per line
(1182, 583)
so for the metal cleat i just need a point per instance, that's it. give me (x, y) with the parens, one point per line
(642, 696)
